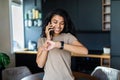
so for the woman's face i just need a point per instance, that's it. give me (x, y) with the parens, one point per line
(57, 22)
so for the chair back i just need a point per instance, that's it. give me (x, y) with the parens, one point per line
(15, 73)
(35, 76)
(106, 73)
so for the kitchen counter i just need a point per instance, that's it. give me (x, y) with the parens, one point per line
(73, 54)
(25, 52)
(27, 58)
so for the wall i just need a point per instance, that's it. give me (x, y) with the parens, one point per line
(86, 14)
(95, 41)
(31, 33)
(115, 34)
(5, 34)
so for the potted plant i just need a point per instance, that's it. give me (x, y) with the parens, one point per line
(4, 61)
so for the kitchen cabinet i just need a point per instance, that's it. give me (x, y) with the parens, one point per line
(115, 34)
(86, 14)
(27, 59)
(104, 58)
(87, 63)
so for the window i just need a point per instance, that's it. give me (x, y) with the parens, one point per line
(17, 26)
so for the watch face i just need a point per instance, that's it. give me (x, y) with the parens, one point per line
(62, 45)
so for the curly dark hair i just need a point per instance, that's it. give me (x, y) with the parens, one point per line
(68, 27)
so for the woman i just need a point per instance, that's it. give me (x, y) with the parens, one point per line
(56, 45)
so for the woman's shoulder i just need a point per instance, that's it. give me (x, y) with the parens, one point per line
(67, 34)
(42, 39)
(69, 38)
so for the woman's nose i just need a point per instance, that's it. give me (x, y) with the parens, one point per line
(58, 25)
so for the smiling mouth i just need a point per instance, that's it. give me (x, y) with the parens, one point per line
(57, 30)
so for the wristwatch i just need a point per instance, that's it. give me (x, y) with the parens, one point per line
(62, 44)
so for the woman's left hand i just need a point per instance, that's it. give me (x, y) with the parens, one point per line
(51, 45)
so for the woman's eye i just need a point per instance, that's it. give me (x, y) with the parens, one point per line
(62, 23)
(55, 22)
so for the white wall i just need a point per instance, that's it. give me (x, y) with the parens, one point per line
(5, 30)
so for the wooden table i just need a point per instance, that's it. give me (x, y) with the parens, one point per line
(103, 58)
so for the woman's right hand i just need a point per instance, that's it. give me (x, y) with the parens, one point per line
(49, 28)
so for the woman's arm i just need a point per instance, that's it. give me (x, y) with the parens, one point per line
(42, 55)
(76, 47)
(43, 51)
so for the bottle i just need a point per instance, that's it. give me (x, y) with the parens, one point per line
(29, 45)
(33, 14)
(30, 14)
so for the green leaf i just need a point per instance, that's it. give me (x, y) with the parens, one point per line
(4, 59)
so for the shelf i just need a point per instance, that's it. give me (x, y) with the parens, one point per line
(106, 4)
(106, 15)
(108, 22)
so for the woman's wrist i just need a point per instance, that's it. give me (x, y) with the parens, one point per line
(44, 48)
(48, 38)
(60, 45)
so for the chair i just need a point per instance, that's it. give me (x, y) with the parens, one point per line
(35, 76)
(78, 76)
(106, 73)
(15, 73)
